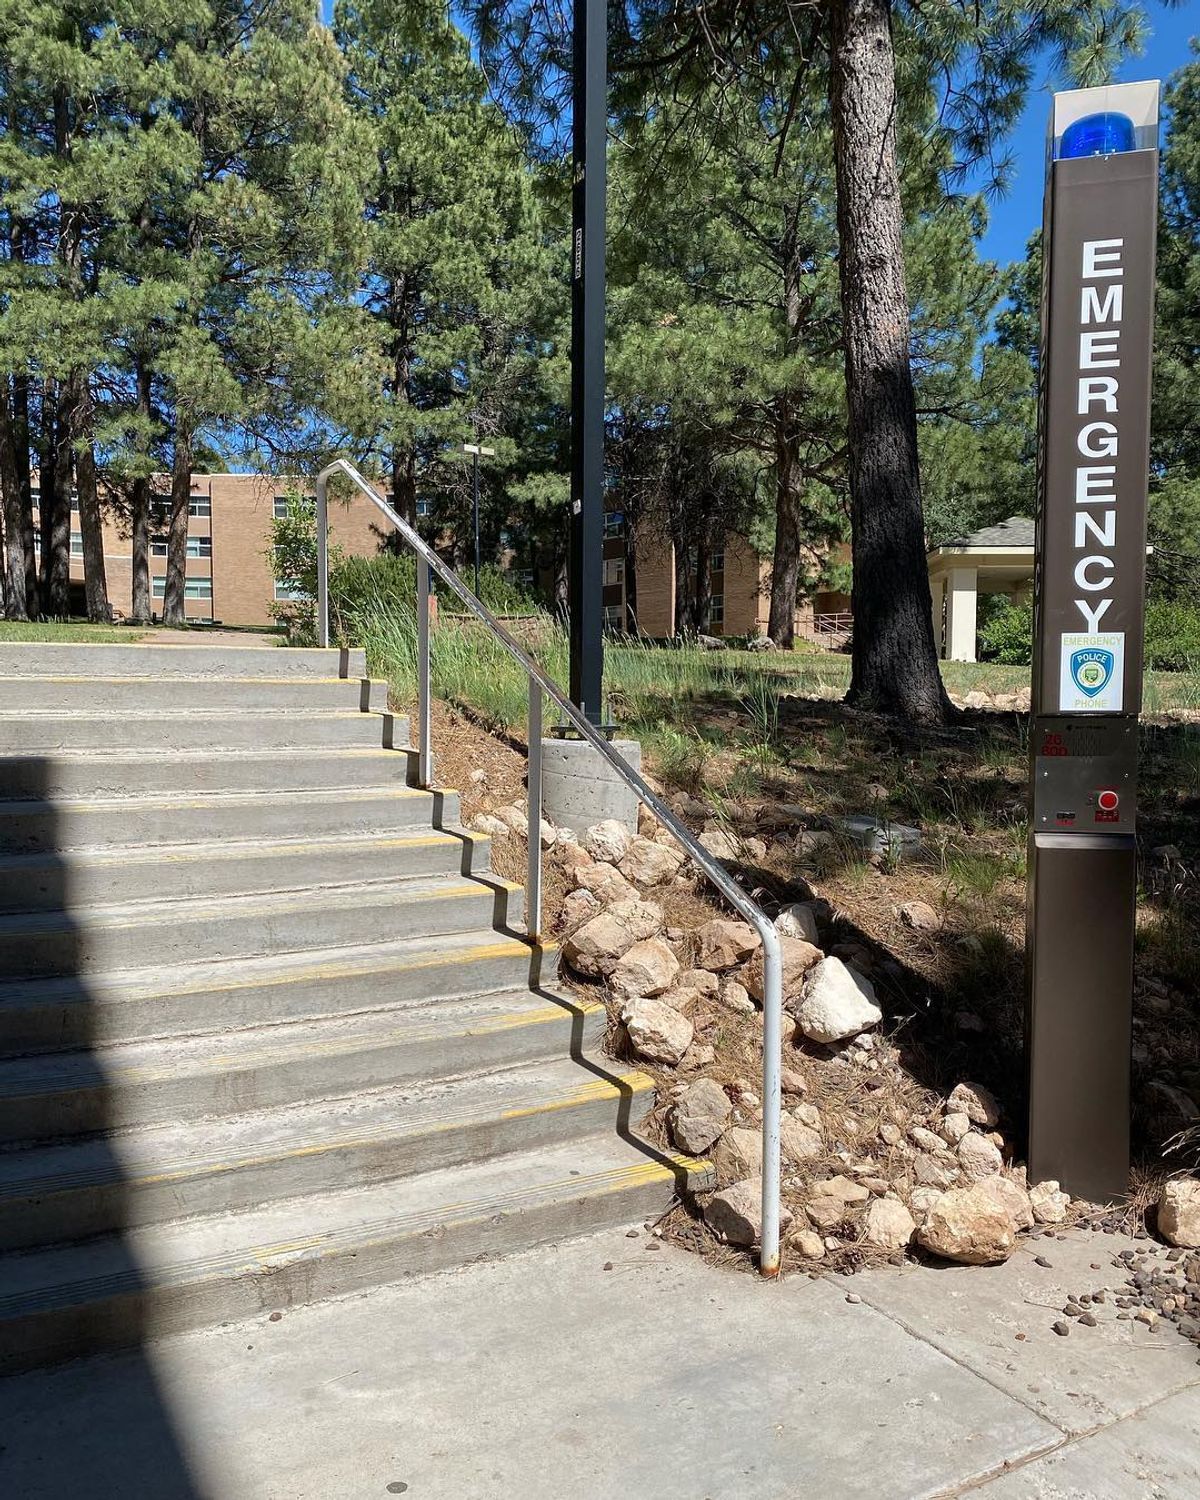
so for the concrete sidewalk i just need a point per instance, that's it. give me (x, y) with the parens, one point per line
(549, 1377)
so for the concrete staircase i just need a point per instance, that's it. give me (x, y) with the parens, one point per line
(269, 1027)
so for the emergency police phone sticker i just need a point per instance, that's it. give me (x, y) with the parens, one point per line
(1093, 673)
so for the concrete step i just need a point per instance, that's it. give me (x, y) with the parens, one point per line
(30, 734)
(54, 1194)
(185, 773)
(42, 1015)
(36, 824)
(97, 939)
(71, 879)
(147, 695)
(135, 1084)
(51, 659)
(165, 1278)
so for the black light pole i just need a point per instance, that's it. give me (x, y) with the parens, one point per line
(475, 450)
(589, 129)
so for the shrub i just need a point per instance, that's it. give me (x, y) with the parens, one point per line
(1173, 637)
(1005, 631)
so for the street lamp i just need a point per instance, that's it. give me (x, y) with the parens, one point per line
(476, 453)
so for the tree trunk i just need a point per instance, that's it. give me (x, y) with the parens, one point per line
(139, 498)
(785, 565)
(15, 605)
(702, 598)
(95, 585)
(55, 502)
(20, 397)
(174, 594)
(682, 597)
(895, 668)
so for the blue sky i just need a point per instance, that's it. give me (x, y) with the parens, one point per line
(1014, 217)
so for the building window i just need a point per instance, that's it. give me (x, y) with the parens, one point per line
(716, 610)
(193, 588)
(614, 617)
(524, 577)
(77, 544)
(197, 546)
(614, 570)
(200, 505)
(424, 507)
(614, 523)
(717, 563)
(279, 506)
(289, 589)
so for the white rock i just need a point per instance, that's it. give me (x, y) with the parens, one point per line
(955, 1126)
(976, 1102)
(934, 1171)
(700, 1116)
(798, 1142)
(735, 1213)
(928, 1141)
(577, 908)
(920, 916)
(791, 1081)
(1012, 1197)
(739, 1154)
(970, 1226)
(798, 958)
(700, 980)
(807, 1244)
(798, 921)
(648, 863)
(514, 817)
(721, 845)
(655, 1030)
(720, 944)
(836, 1002)
(978, 1157)
(808, 1114)
(832, 1199)
(1179, 1212)
(736, 997)
(699, 1055)
(598, 945)
(605, 882)
(608, 841)
(1048, 1202)
(488, 823)
(888, 1225)
(648, 968)
(922, 1199)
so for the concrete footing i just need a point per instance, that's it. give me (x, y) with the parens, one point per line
(580, 788)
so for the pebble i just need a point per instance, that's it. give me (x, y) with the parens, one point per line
(1040, 1260)
(631, 1234)
(1088, 1319)
(853, 1297)
(1062, 1329)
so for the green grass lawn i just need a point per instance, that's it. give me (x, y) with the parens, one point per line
(65, 631)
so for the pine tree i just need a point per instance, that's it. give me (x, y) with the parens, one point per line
(456, 291)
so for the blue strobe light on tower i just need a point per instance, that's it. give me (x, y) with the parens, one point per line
(1098, 135)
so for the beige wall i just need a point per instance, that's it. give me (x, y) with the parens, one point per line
(743, 585)
(239, 571)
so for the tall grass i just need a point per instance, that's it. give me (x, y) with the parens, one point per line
(651, 690)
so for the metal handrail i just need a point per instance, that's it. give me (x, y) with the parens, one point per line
(428, 561)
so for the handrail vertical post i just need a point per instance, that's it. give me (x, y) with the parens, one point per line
(772, 1059)
(322, 561)
(424, 725)
(533, 888)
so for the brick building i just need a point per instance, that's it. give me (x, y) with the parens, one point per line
(740, 588)
(230, 577)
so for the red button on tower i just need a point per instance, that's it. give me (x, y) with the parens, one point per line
(1108, 801)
